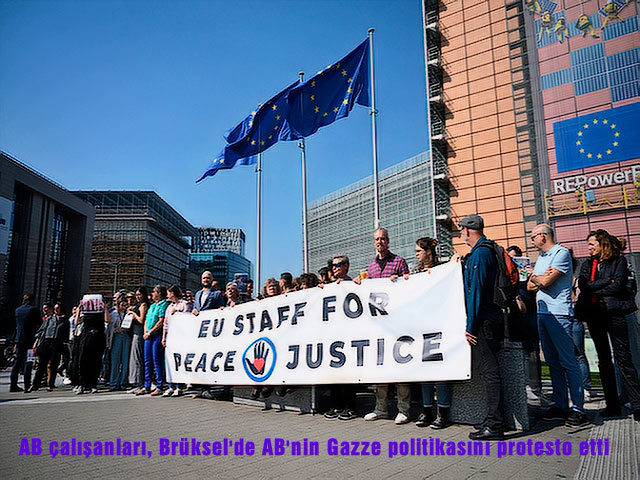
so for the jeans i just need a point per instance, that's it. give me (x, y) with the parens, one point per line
(444, 394)
(120, 346)
(154, 360)
(560, 355)
(21, 363)
(577, 334)
(531, 344)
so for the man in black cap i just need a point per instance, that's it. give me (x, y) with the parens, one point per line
(485, 329)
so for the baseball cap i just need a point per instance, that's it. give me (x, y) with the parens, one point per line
(472, 222)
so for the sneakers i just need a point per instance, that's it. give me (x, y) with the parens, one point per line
(401, 419)
(346, 414)
(66, 381)
(576, 419)
(133, 390)
(94, 390)
(331, 414)
(373, 416)
(555, 413)
(168, 392)
(177, 393)
(79, 390)
(587, 396)
(442, 420)
(531, 395)
(425, 418)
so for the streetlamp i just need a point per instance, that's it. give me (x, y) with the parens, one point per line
(116, 266)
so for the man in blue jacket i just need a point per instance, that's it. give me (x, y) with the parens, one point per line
(485, 328)
(208, 297)
(27, 323)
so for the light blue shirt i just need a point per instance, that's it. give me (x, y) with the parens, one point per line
(556, 298)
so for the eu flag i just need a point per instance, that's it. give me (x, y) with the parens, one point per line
(597, 139)
(331, 93)
(258, 131)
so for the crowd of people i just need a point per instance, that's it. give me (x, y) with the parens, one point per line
(123, 346)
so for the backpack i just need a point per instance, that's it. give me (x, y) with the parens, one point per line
(506, 290)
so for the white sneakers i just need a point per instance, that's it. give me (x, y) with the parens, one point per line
(401, 419)
(168, 392)
(177, 392)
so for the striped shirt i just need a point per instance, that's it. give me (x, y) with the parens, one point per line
(395, 266)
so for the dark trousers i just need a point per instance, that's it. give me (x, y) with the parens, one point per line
(343, 396)
(49, 352)
(21, 363)
(489, 345)
(604, 327)
(531, 345)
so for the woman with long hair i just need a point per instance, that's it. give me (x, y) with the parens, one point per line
(153, 349)
(176, 304)
(271, 288)
(604, 302)
(138, 308)
(427, 256)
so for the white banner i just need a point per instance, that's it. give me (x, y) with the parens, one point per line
(378, 332)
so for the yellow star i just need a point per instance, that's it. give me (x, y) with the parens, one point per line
(335, 110)
(582, 150)
(325, 114)
(344, 73)
(599, 155)
(320, 72)
(253, 113)
(349, 90)
(617, 134)
(275, 107)
(270, 137)
(261, 142)
(578, 142)
(276, 127)
(609, 151)
(317, 109)
(222, 160)
(579, 134)
(615, 144)
(251, 124)
(586, 125)
(312, 97)
(595, 121)
(253, 142)
(338, 65)
(350, 80)
(605, 121)
(589, 155)
(313, 83)
(345, 102)
(613, 125)
(277, 117)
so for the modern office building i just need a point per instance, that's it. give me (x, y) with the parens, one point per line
(532, 108)
(211, 239)
(222, 264)
(139, 239)
(45, 240)
(343, 221)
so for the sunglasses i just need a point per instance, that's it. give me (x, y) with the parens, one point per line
(337, 265)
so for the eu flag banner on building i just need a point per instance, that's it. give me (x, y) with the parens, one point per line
(598, 138)
(257, 132)
(331, 93)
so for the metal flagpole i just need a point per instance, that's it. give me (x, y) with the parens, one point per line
(373, 112)
(256, 287)
(305, 236)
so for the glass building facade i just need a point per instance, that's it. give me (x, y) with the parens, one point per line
(343, 221)
(223, 265)
(219, 239)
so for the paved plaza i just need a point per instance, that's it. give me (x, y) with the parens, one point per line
(61, 416)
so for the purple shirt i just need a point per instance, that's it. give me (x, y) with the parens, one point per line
(395, 266)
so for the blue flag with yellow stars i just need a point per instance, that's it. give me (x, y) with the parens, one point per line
(598, 138)
(331, 93)
(258, 131)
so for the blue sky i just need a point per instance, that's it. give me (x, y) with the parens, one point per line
(137, 95)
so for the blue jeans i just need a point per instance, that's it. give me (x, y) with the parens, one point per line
(577, 334)
(120, 347)
(154, 359)
(559, 353)
(444, 394)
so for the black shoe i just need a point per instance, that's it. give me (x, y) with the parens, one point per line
(425, 418)
(255, 393)
(331, 414)
(442, 420)
(266, 392)
(576, 419)
(636, 415)
(487, 433)
(610, 412)
(15, 388)
(281, 391)
(555, 413)
(346, 414)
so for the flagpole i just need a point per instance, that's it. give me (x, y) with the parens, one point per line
(373, 112)
(305, 235)
(256, 288)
